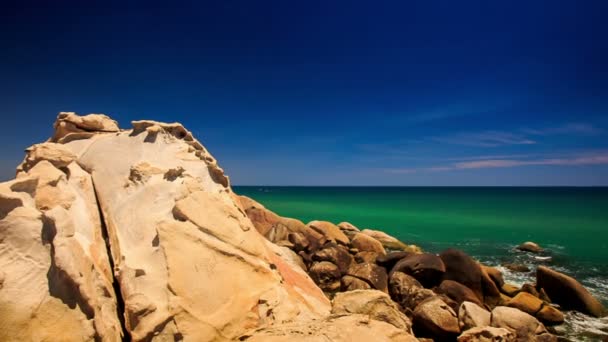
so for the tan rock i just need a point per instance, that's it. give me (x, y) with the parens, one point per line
(526, 303)
(530, 246)
(366, 243)
(350, 283)
(457, 292)
(494, 274)
(567, 292)
(550, 315)
(390, 242)
(434, 318)
(70, 126)
(510, 289)
(373, 303)
(354, 327)
(348, 227)
(525, 326)
(330, 231)
(487, 334)
(471, 315)
(407, 291)
(371, 273)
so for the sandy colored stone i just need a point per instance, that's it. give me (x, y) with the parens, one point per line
(526, 303)
(366, 243)
(330, 231)
(434, 318)
(487, 334)
(390, 242)
(471, 315)
(373, 303)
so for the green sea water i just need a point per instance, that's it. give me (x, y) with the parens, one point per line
(486, 222)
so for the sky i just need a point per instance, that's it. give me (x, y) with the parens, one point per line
(411, 93)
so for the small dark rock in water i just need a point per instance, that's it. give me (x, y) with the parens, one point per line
(516, 267)
(530, 246)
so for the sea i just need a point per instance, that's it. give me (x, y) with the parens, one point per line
(571, 223)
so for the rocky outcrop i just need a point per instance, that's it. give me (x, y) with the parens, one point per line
(471, 315)
(530, 246)
(568, 292)
(435, 319)
(525, 327)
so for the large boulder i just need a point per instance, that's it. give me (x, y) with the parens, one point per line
(526, 303)
(389, 259)
(457, 292)
(336, 254)
(176, 234)
(407, 291)
(371, 273)
(350, 283)
(427, 268)
(494, 274)
(462, 268)
(525, 326)
(373, 303)
(487, 334)
(330, 231)
(435, 319)
(567, 292)
(366, 243)
(530, 246)
(549, 315)
(326, 275)
(471, 315)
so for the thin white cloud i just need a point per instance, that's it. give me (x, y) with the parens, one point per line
(485, 139)
(576, 128)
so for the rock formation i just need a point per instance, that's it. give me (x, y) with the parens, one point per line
(110, 234)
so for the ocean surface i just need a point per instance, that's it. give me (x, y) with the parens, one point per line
(486, 222)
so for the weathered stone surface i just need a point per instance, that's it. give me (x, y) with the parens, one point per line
(510, 289)
(336, 254)
(516, 267)
(330, 231)
(462, 268)
(366, 257)
(176, 231)
(434, 318)
(354, 327)
(350, 283)
(371, 273)
(366, 243)
(471, 315)
(427, 268)
(487, 334)
(373, 303)
(526, 303)
(70, 126)
(567, 292)
(457, 292)
(407, 291)
(530, 246)
(56, 274)
(326, 275)
(348, 227)
(525, 326)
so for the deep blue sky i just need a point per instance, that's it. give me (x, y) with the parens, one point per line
(327, 92)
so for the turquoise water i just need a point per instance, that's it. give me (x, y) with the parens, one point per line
(572, 223)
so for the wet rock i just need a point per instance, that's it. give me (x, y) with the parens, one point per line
(471, 315)
(373, 303)
(530, 246)
(567, 292)
(516, 267)
(462, 268)
(457, 292)
(550, 315)
(427, 268)
(435, 319)
(495, 275)
(510, 290)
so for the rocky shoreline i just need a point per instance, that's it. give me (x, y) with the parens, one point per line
(110, 234)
